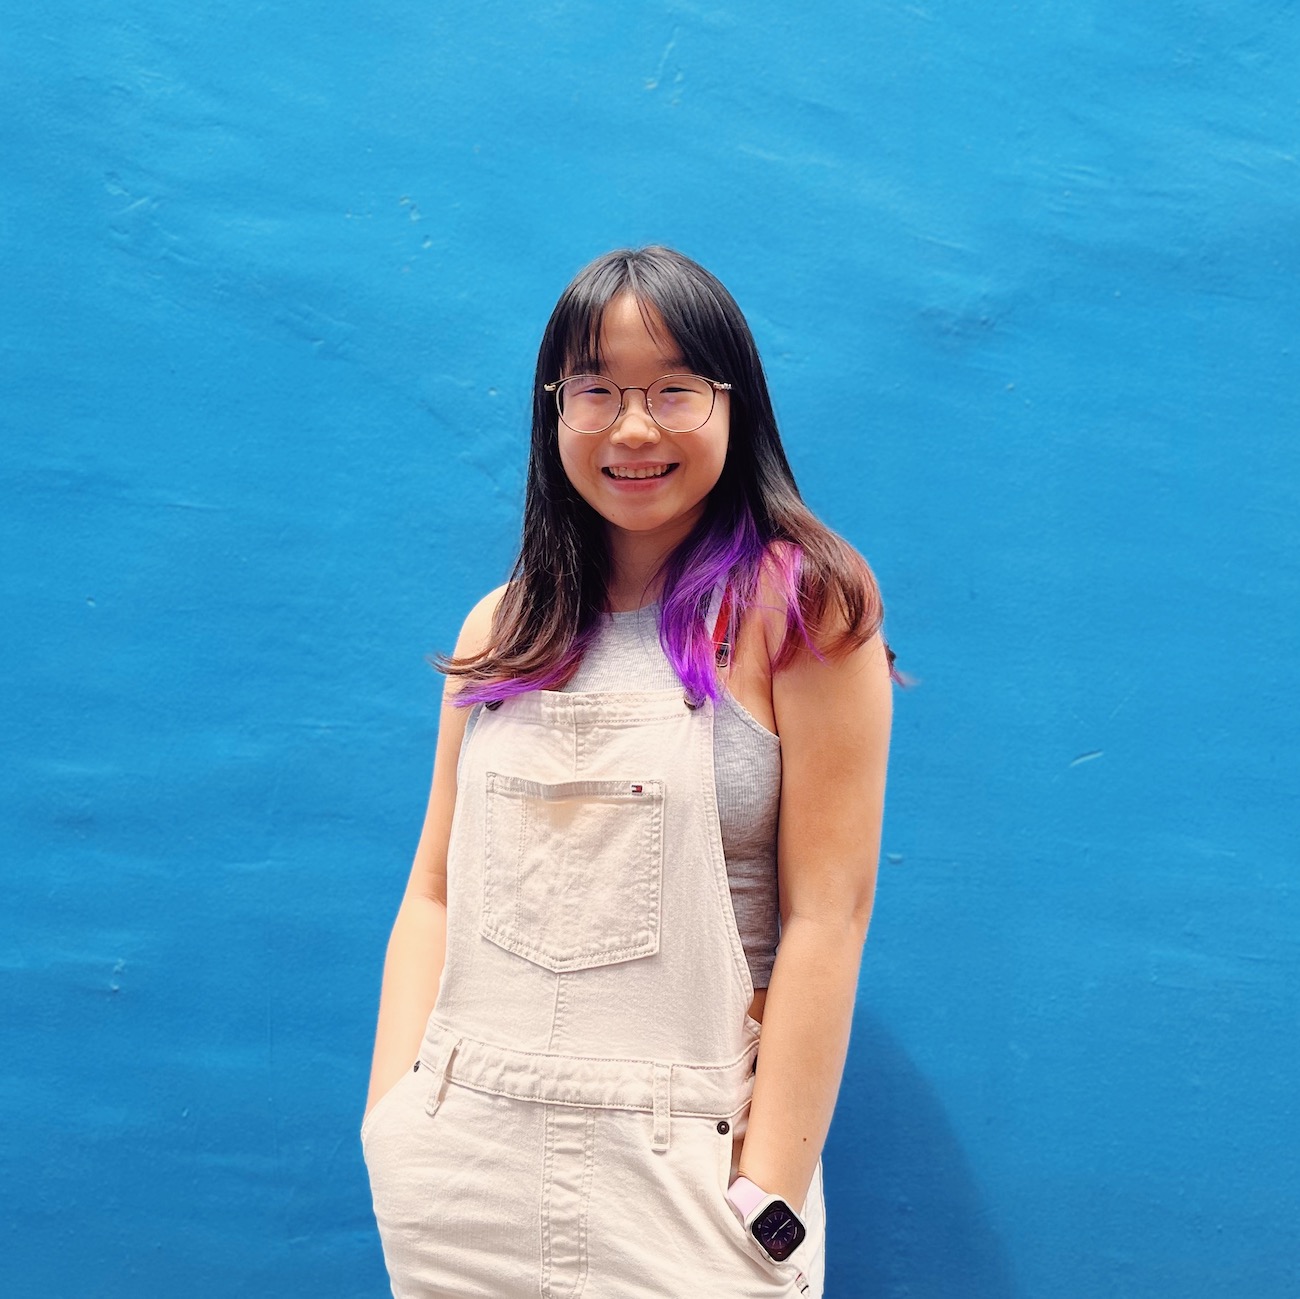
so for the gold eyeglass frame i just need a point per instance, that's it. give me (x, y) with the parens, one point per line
(622, 400)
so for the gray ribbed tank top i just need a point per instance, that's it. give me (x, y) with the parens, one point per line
(627, 655)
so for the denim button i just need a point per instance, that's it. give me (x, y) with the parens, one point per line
(417, 1067)
(723, 1127)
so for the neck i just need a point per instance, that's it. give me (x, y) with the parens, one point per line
(635, 560)
(635, 583)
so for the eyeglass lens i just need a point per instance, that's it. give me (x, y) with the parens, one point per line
(679, 403)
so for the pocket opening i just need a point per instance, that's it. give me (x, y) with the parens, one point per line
(368, 1122)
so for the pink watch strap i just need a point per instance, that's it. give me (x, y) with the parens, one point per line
(745, 1196)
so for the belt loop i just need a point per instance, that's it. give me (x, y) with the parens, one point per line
(662, 1106)
(438, 1067)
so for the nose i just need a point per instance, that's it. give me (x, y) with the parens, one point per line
(634, 426)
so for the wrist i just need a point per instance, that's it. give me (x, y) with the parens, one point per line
(768, 1218)
(773, 1185)
(744, 1196)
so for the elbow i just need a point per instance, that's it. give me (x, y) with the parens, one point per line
(834, 895)
(845, 924)
(860, 918)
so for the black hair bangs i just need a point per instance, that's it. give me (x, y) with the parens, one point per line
(677, 302)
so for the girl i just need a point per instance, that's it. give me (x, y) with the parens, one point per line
(662, 748)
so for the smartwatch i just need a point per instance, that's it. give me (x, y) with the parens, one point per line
(776, 1227)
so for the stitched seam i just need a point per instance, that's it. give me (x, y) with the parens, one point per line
(546, 1205)
(587, 1175)
(594, 1105)
(600, 1059)
(557, 1012)
(570, 964)
(554, 791)
(519, 861)
(721, 881)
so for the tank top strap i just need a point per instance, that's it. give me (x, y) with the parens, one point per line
(719, 616)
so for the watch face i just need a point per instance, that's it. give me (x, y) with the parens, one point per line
(778, 1230)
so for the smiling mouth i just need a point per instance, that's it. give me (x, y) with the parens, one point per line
(636, 471)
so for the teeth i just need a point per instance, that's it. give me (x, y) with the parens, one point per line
(624, 472)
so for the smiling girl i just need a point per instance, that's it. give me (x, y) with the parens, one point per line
(650, 843)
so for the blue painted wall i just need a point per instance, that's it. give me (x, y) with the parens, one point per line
(1025, 279)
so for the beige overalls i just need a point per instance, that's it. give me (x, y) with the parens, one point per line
(569, 1127)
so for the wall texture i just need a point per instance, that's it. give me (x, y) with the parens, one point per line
(1025, 277)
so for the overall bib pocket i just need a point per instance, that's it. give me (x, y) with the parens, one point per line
(573, 871)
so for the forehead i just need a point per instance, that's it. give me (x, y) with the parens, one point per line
(628, 331)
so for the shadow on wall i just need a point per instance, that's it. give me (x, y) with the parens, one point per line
(905, 1217)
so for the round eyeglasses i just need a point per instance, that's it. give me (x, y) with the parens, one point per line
(678, 403)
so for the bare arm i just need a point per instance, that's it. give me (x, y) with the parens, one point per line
(418, 943)
(834, 719)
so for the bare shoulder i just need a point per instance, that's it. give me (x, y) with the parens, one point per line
(475, 636)
(826, 665)
(833, 676)
(831, 693)
(476, 631)
(777, 579)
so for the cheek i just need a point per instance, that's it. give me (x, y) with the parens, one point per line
(581, 471)
(571, 461)
(715, 458)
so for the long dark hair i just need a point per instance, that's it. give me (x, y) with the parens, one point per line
(754, 515)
